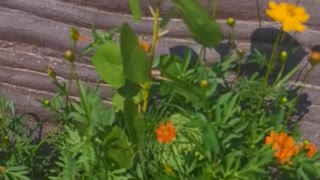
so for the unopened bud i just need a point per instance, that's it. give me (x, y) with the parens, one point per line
(46, 102)
(69, 56)
(231, 22)
(204, 83)
(51, 72)
(284, 100)
(284, 56)
(74, 34)
(314, 58)
(305, 143)
(240, 53)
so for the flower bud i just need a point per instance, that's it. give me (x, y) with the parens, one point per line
(284, 100)
(231, 22)
(314, 58)
(74, 34)
(69, 56)
(46, 102)
(51, 72)
(284, 56)
(204, 83)
(305, 143)
(240, 53)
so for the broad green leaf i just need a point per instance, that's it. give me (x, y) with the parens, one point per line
(136, 66)
(107, 61)
(129, 89)
(201, 26)
(118, 148)
(135, 9)
(118, 102)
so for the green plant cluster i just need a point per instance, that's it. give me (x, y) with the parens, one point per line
(221, 117)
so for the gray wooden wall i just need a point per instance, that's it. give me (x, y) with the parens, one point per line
(35, 33)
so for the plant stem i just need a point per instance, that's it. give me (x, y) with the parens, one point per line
(155, 36)
(214, 8)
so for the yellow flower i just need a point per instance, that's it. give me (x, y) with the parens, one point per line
(291, 16)
(165, 133)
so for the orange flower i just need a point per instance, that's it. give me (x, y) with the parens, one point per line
(165, 133)
(283, 145)
(311, 148)
(272, 138)
(2, 169)
(144, 45)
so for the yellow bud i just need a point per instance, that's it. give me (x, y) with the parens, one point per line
(240, 53)
(284, 100)
(6, 138)
(51, 72)
(305, 142)
(231, 22)
(204, 83)
(74, 34)
(314, 58)
(284, 56)
(69, 56)
(46, 102)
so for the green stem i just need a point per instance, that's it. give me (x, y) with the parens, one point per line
(214, 8)
(279, 75)
(155, 37)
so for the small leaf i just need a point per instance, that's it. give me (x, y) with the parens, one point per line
(135, 9)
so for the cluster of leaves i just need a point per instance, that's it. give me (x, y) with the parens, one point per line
(220, 123)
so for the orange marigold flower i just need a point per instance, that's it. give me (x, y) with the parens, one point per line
(271, 138)
(291, 16)
(283, 145)
(165, 133)
(311, 148)
(144, 45)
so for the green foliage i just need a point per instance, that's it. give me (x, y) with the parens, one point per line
(171, 117)
(136, 66)
(202, 28)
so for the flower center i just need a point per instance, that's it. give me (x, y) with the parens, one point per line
(291, 10)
